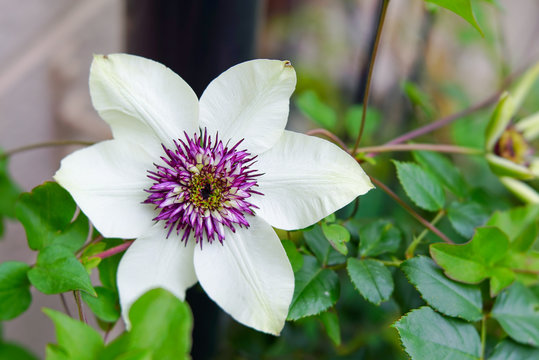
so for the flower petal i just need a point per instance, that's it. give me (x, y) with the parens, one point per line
(249, 101)
(306, 179)
(143, 101)
(154, 261)
(249, 276)
(107, 181)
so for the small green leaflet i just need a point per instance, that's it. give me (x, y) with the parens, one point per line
(331, 323)
(15, 295)
(379, 237)
(312, 107)
(427, 335)
(105, 306)
(371, 278)
(462, 8)
(321, 248)
(420, 186)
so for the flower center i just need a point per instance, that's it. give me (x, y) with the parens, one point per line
(514, 147)
(203, 188)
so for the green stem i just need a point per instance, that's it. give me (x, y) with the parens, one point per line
(44, 145)
(396, 262)
(76, 294)
(429, 147)
(413, 245)
(483, 336)
(369, 75)
(411, 211)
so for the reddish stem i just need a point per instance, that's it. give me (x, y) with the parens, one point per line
(115, 250)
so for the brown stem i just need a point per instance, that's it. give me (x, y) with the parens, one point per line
(64, 304)
(43, 145)
(329, 135)
(76, 294)
(411, 211)
(429, 147)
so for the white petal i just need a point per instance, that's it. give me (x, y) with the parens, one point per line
(306, 179)
(143, 101)
(249, 276)
(107, 181)
(154, 261)
(249, 101)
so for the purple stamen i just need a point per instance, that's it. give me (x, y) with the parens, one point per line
(203, 188)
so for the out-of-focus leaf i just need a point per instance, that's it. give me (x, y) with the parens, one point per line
(517, 311)
(519, 224)
(11, 351)
(428, 335)
(321, 247)
(316, 290)
(510, 350)
(371, 278)
(57, 270)
(312, 107)
(445, 171)
(46, 215)
(337, 236)
(15, 295)
(331, 323)
(465, 217)
(295, 258)
(9, 191)
(421, 187)
(418, 98)
(462, 8)
(379, 237)
(445, 295)
(353, 116)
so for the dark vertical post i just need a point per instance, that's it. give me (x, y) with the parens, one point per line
(197, 39)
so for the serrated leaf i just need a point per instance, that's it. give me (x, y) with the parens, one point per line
(445, 295)
(161, 328)
(46, 215)
(331, 324)
(312, 107)
(462, 8)
(295, 258)
(379, 237)
(105, 306)
(57, 270)
(517, 311)
(465, 217)
(510, 350)
(428, 335)
(445, 171)
(476, 260)
(9, 191)
(371, 278)
(321, 247)
(519, 224)
(420, 186)
(337, 235)
(316, 290)
(15, 295)
(76, 339)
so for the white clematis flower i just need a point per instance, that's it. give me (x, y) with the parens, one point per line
(200, 184)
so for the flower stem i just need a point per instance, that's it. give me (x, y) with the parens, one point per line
(330, 136)
(76, 294)
(44, 145)
(428, 147)
(411, 211)
(409, 253)
(114, 250)
(64, 304)
(381, 19)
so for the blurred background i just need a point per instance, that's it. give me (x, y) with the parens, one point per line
(430, 64)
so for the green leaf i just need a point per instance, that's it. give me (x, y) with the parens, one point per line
(11, 351)
(321, 247)
(445, 295)
(517, 311)
(465, 217)
(352, 120)
(295, 258)
(46, 215)
(371, 278)
(337, 235)
(418, 98)
(316, 290)
(428, 335)
(161, 325)
(312, 107)
(379, 237)
(420, 186)
(57, 270)
(75, 339)
(105, 306)
(331, 323)
(444, 170)
(476, 260)
(510, 350)
(9, 191)
(462, 8)
(519, 224)
(15, 295)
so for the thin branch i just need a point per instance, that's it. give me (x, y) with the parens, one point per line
(114, 250)
(411, 211)
(430, 147)
(409, 253)
(76, 294)
(330, 136)
(369, 75)
(44, 145)
(64, 304)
